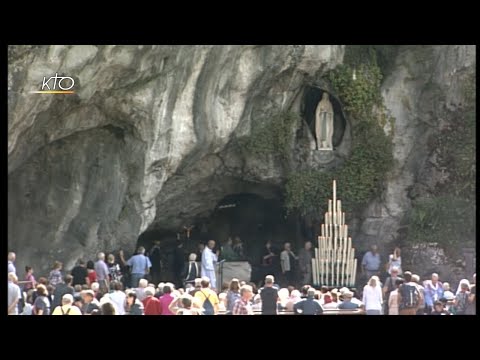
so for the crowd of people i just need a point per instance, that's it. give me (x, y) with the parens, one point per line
(126, 287)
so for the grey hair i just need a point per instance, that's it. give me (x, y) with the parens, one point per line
(245, 288)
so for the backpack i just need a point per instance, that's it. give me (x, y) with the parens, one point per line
(68, 311)
(410, 296)
(207, 306)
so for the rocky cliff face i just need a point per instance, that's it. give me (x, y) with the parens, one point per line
(146, 140)
(424, 92)
(140, 142)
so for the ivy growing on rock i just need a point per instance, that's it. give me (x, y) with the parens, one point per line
(274, 136)
(362, 174)
(448, 216)
(447, 220)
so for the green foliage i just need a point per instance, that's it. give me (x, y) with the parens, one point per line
(272, 137)
(358, 179)
(371, 157)
(456, 149)
(447, 220)
(449, 217)
(382, 56)
(358, 95)
(470, 90)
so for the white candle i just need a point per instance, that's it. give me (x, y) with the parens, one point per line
(339, 206)
(354, 272)
(344, 260)
(323, 230)
(343, 218)
(334, 197)
(321, 261)
(338, 266)
(329, 206)
(335, 236)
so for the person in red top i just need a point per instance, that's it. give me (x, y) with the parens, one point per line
(31, 284)
(165, 301)
(92, 275)
(151, 304)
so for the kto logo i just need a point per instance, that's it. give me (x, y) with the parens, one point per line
(59, 85)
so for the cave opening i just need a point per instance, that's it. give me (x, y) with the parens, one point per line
(255, 219)
(313, 95)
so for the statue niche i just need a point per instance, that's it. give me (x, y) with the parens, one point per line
(324, 124)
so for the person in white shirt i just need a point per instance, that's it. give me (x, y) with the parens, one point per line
(395, 261)
(372, 297)
(287, 262)
(209, 261)
(118, 298)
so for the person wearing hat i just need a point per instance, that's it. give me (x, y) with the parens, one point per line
(67, 307)
(308, 306)
(347, 301)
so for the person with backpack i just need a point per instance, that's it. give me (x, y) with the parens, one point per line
(408, 296)
(67, 307)
(207, 298)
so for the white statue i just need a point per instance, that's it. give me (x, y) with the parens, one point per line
(324, 124)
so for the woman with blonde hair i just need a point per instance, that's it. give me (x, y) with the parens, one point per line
(372, 297)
